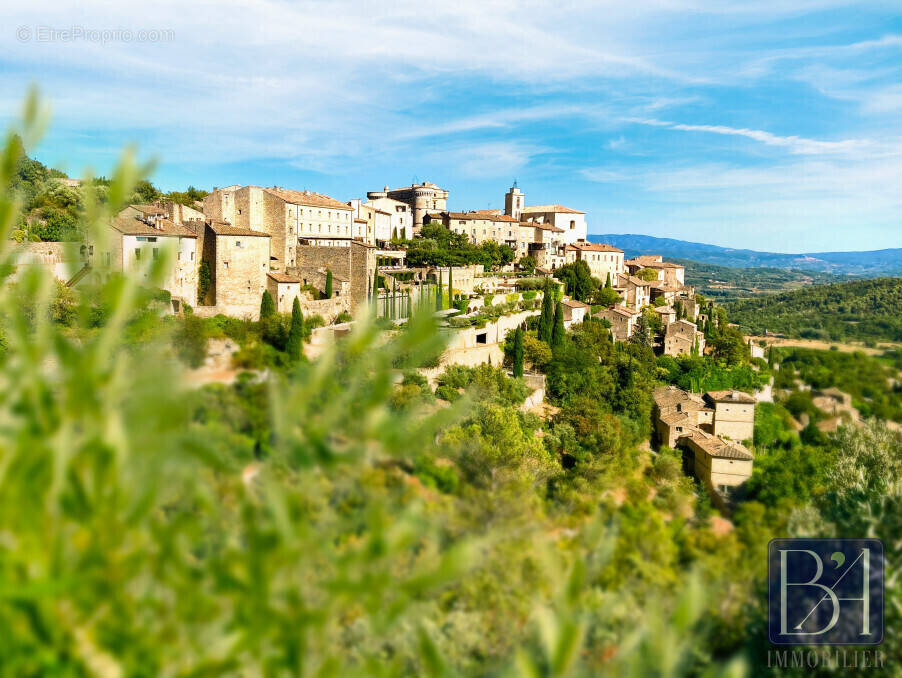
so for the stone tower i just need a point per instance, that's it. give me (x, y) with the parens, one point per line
(513, 202)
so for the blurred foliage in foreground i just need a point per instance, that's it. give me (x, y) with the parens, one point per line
(325, 521)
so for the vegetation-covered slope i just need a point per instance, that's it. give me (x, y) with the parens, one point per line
(867, 263)
(866, 310)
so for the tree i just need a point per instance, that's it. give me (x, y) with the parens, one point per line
(328, 283)
(647, 274)
(267, 306)
(296, 331)
(450, 286)
(546, 320)
(578, 279)
(527, 265)
(606, 296)
(518, 352)
(204, 281)
(439, 302)
(558, 332)
(607, 282)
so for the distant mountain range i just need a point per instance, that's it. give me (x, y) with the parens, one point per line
(865, 264)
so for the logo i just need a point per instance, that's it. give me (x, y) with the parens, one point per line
(825, 591)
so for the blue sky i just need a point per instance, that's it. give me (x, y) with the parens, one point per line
(772, 125)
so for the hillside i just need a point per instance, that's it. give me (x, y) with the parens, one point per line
(727, 283)
(864, 310)
(867, 263)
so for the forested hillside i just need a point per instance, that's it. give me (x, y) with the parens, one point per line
(51, 208)
(866, 310)
(726, 283)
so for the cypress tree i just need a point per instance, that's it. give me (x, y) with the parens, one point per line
(394, 293)
(328, 283)
(607, 283)
(267, 306)
(546, 320)
(394, 233)
(296, 332)
(558, 332)
(438, 294)
(450, 286)
(518, 352)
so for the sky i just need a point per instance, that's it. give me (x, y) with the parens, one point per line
(773, 125)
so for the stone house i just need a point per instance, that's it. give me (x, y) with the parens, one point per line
(734, 414)
(283, 289)
(289, 217)
(622, 320)
(681, 337)
(688, 421)
(574, 312)
(572, 222)
(481, 225)
(667, 314)
(666, 271)
(720, 464)
(139, 234)
(238, 259)
(421, 198)
(603, 259)
(636, 292)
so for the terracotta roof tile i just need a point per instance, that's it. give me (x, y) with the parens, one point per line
(307, 198)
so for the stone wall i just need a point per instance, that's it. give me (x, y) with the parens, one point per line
(49, 255)
(239, 273)
(355, 264)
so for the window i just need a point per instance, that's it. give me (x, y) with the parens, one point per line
(237, 243)
(572, 224)
(225, 265)
(192, 256)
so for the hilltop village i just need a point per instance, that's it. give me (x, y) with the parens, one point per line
(400, 248)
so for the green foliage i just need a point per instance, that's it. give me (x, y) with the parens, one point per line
(578, 280)
(647, 274)
(518, 352)
(204, 282)
(328, 290)
(705, 373)
(190, 339)
(546, 320)
(439, 246)
(866, 310)
(295, 331)
(558, 333)
(267, 306)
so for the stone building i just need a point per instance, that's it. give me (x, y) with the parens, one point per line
(734, 414)
(400, 216)
(622, 320)
(603, 259)
(514, 202)
(572, 222)
(666, 270)
(636, 292)
(683, 338)
(238, 260)
(283, 289)
(289, 217)
(354, 266)
(480, 226)
(574, 312)
(139, 234)
(688, 421)
(420, 198)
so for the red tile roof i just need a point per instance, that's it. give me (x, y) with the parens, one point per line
(550, 208)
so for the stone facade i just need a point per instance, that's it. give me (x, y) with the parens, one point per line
(603, 259)
(734, 414)
(421, 198)
(572, 222)
(682, 337)
(239, 263)
(355, 263)
(574, 312)
(622, 319)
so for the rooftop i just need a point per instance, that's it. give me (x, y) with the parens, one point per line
(283, 277)
(593, 247)
(549, 208)
(225, 228)
(730, 396)
(307, 198)
(128, 222)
